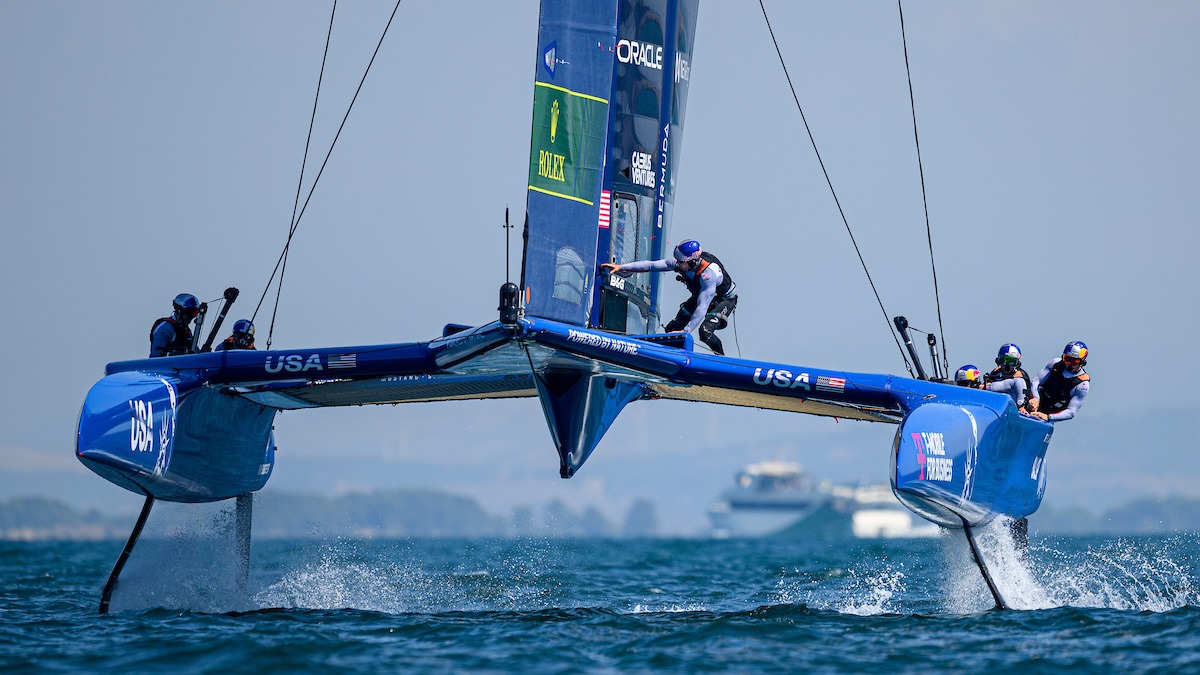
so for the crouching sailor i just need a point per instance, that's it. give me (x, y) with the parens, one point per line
(1009, 378)
(1062, 385)
(241, 338)
(713, 293)
(172, 335)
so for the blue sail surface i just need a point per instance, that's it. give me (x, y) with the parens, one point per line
(610, 94)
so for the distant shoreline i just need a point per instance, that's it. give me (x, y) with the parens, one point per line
(434, 514)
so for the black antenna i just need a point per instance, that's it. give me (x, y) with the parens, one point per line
(507, 232)
(524, 254)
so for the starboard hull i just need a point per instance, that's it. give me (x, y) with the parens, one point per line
(963, 464)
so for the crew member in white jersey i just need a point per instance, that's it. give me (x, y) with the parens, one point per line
(713, 293)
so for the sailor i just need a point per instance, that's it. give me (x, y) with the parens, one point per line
(713, 293)
(1062, 385)
(969, 376)
(172, 335)
(1009, 378)
(242, 337)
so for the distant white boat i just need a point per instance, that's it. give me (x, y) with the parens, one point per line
(875, 513)
(766, 498)
(772, 497)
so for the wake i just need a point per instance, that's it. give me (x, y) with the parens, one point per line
(1136, 574)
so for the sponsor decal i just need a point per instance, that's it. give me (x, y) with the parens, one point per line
(567, 151)
(782, 379)
(662, 175)
(166, 431)
(405, 378)
(931, 457)
(141, 428)
(605, 209)
(343, 360)
(550, 165)
(550, 60)
(641, 169)
(639, 54)
(1037, 467)
(293, 363)
(683, 69)
(555, 111)
(836, 385)
(603, 342)
(969, 462)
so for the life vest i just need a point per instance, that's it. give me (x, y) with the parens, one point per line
(181, 343)
(1054, 393)
(998, 375)
(691, 279)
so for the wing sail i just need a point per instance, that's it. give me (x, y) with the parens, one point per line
(609, 100)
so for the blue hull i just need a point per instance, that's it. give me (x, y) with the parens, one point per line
(964, 464)
(174, 438)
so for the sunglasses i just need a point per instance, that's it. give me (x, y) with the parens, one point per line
(1072, 361)
(1010, 361)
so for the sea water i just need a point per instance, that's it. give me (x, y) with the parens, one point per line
(1097, 604)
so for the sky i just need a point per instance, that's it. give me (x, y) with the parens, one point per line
(149, 148)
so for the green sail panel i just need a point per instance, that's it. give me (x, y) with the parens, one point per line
(567, 151)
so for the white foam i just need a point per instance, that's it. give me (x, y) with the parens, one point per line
(1119, 574)
(1140, 575)
(867, 589)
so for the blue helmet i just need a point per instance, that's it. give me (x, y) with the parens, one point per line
(968, 376)
(244, 327)
(186, 303)
(1075, 353)
(688, 251)
(1009, 355)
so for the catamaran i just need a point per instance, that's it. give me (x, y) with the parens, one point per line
(610, 96)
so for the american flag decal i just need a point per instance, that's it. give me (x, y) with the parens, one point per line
(343, 360)
(605, 208)
(836, 385)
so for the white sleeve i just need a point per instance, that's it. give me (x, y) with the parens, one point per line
(1013, 386)
(649, 265)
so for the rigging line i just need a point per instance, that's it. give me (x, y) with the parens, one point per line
(924, 198)
(303, 165)
(829, 181)
(325, 163)
(735, 335)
